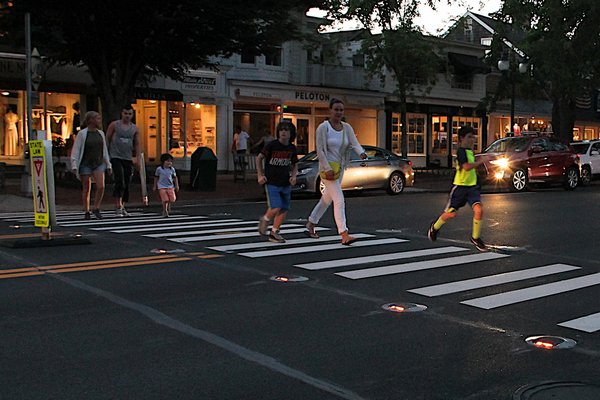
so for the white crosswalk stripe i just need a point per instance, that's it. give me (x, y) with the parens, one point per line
(289, 242)
(322, 247)
(377, 258)
(534, 292)
(218, 235)
(169, 235)
(419, 265)
(182, 225)
(589, 323)
(492, 280)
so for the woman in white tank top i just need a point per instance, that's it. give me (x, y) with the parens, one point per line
(333, 139)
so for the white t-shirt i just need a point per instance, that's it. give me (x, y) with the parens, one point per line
(242, 140)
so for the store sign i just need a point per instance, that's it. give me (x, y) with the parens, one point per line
(312, 96)
(10, 68)
(201, 83)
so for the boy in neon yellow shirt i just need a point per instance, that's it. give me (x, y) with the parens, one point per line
(466, 189)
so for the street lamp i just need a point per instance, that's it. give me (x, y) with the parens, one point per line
(505, 67)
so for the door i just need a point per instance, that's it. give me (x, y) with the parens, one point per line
(539, 159)
(151, 130)
(438, 148)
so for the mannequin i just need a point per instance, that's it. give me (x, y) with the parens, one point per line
(11, 134)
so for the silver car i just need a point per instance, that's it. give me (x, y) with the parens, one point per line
(381, 169)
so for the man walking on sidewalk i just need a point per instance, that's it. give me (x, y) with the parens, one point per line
(123, 139)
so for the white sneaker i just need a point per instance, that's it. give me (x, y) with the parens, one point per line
(119, 212)
(124, 212)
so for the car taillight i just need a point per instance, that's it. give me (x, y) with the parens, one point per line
(409, 162)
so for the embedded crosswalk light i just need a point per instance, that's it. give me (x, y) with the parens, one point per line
(404, 307)
(550, 342)
(288, 278)
(15, 226)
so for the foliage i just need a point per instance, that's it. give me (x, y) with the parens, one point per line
(395, 47)
(124, 43)
(561, 43)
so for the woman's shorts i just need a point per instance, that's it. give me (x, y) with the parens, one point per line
(167, 194)
(85, 170)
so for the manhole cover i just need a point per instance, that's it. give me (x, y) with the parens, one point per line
(404, 307)
(558, 391)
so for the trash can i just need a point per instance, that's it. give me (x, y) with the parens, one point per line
(203, 174)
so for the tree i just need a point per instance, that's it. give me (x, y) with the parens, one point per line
(124, 43)
(394, 46)
(561, 43)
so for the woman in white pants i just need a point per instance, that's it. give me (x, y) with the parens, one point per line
(334, 138)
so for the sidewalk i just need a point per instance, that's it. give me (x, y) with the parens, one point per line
(227, 191)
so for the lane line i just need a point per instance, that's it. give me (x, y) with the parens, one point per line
(419, 266)
(379, 257)
(130, 264)
(492, 280)
(535, 292)
(260, 245)
(218, 341)
(234, 236)
(322, 247)
(589, 323)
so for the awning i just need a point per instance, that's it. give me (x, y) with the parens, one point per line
(465, 64)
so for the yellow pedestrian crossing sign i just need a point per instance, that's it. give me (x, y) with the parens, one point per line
(39, 182)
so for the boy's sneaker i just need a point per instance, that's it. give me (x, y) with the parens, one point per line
(97, 214)
(165, 213)
(124, 212)
(479, 244)
(276, 237)
(263, 226)
(432, 232)
(119, 212)
(87, 215)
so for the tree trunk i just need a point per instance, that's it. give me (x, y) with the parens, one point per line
(563, 119)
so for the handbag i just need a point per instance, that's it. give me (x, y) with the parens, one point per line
(336, 167)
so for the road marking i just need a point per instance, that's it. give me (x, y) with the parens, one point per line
(589, 323)
(492, 280)
(204, 231)
(129, 264)
(181, 225)
(164, 223)
(126, 220)
(288, 242)
(233, 235)
(28, 235)
(218, 341)
(535, 292)
(322, 247)
(419, 265)
(380, 257)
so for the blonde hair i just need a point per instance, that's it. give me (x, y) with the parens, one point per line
(88, 117)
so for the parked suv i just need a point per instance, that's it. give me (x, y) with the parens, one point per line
(519, 161)
(589, 154)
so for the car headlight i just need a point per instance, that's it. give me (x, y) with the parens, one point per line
(500, 162)
(304, 171)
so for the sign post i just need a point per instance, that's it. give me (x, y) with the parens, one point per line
(39, 186)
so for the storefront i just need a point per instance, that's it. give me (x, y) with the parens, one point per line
(258, 110)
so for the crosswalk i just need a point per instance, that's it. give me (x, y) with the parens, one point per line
(239, 237)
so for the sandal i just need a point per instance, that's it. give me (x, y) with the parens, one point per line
(310, 231)
(349, 241)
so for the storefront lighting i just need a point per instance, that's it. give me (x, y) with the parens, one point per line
(152, 101)
(5, 93)
(197, 105)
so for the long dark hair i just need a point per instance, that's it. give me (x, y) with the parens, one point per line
(287, 125)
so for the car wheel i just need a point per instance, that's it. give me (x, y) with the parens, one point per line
(395, 183)
(320, 186)
(519, 180)
(571, 179)
(586, 176)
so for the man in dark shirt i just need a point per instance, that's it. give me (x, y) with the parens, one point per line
(280, 158)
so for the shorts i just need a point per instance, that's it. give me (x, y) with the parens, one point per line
(167, 194)
(85, 170)
(461, 195)
(279, 196)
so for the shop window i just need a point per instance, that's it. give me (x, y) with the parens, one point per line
(439, 135)
(256, 119)
(415, 132)
(191, 124)
(274, 57)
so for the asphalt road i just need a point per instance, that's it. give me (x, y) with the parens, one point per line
(116, 320)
